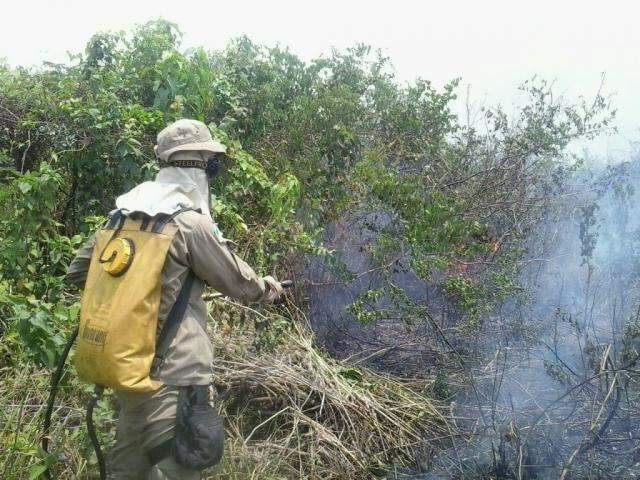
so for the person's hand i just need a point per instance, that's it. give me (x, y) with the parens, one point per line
(274, 289)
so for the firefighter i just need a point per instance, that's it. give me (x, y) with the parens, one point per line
(148, 266)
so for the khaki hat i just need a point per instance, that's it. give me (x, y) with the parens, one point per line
(186, 135)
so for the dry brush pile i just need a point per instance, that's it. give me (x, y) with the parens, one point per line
(294, 412)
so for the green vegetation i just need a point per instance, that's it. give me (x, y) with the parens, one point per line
(308, 142)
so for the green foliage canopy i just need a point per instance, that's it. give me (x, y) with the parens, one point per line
(306, 142)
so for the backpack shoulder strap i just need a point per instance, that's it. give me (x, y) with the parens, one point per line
(172, 323)
(163, 219)
(115, 221)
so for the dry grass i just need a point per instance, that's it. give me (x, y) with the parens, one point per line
(23, 397)
(296, 413)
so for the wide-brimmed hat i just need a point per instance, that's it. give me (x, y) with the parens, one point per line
(186, 135)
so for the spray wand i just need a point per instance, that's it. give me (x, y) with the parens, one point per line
(207, 297)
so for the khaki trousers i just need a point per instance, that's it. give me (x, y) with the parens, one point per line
(146, 420)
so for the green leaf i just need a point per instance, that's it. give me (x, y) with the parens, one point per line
(36, 471)
(351, 374)
(24, 187)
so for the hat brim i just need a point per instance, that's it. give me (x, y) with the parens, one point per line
(211, 146)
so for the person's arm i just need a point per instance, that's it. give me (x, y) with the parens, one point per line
(212, 261)
(79, 267)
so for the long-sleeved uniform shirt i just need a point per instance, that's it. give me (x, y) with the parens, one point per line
(198, 246)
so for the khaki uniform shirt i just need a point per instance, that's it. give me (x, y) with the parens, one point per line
(199, 246)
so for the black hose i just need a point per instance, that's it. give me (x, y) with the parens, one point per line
(55, 383)
(97, 395)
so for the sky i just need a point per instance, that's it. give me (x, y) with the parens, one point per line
(492, 45)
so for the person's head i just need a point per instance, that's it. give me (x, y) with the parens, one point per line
(188, 144)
